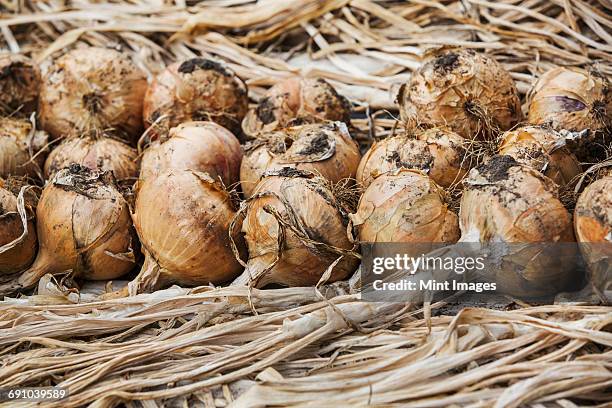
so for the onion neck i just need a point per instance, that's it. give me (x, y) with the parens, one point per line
(257, 272)
(30, 277)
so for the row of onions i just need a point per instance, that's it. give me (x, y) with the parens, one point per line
(180, 170)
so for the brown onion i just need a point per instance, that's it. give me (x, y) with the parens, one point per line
(295, 229)
(200, 146)
(195, 90)
(17, 232)
(439, 152)
(83, 226)
(19, 83)
(93, 89)
(469, 92)
(296, 100)
(327, 149)
(22, 148)
(182, 218)
(96, 153)
(542, 149)
(405, 206)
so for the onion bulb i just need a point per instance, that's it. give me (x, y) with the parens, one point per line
(83, 226)
(200, 146)
(195, 90)
(19, 83)
(404, 206)
(295, 101)
(439, 152)
(22, 148)
(295, 229)
(540, 148)
(17, 231)
(508, 202)
(182, 218)
(96, 153)
(92, 89)
(469, 92)
(327, 149)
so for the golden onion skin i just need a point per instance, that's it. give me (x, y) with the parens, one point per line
(19, 84)
(201, 146)
(535, 146)
(439, 152)
(467, 91)
(326, 149)
(182, 218)
(14, 258)
(93, 90)
(102, 153)
(197, 89)
(18, 144)
(308, 203)
(296, 100)
(404, 206)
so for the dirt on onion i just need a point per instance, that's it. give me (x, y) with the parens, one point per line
(93, 90)
(22, 148)
(326, 148)
(467, 91)
(294, 101)
(19, 84)
(197, 89)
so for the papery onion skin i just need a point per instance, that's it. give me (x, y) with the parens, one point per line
(182, 218)
(93, 90)
(304, 199)
(19, 83)
(201, 146)
(439, 152)
(18, 145)
(467, 91)
(197, 89)
(325, 148)
(296, 100)
(18, 258)
(405, 206)
(535, 146)
(96, 153)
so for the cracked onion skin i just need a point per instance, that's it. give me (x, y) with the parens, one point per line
(293, 101)
(19, 84)
(182, 218)
(93, 89)
(201, 146)
(467, 91)
(16, 140)
(404, 206)
(325, 148)
(439, 152)
(306, 202)
(15, 254)
(536, 147)
(96, 153)
(84, 226)
(197, 89)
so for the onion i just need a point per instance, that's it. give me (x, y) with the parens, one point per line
(93, 89)
(17, 232)
(22, 148)
(593, 226)
(327, 149)
(96, 153)
(83, 226)
(196, 90)
(438, 152)
(508, 202)
(201, 146)
(404, 206)
(469, 92)
(294, 101)
(542, 149)
(19, 83)
(295, 229)
(182, 218)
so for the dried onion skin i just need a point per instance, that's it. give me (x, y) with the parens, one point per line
(17, 245)
(22, 148)
(19, 84)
